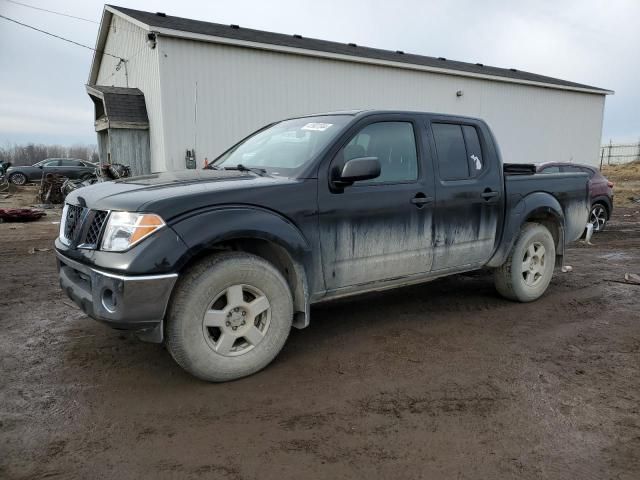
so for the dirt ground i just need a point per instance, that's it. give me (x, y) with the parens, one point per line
(442, 380)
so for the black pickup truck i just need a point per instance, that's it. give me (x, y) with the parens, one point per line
(220, 263)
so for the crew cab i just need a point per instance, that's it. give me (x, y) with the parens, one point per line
(220, 263)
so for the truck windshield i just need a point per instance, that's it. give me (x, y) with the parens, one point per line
(286, 147)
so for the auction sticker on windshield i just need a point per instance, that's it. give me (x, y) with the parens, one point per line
(316, 127)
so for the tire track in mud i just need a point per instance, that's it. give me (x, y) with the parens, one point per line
(442, 380)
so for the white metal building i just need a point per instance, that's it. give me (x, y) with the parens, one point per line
(206, 86)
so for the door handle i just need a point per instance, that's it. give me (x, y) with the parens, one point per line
(489, 194)
(421, 199)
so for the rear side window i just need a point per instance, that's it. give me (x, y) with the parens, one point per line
(452, 154)
(459, 151)
(70, 163)
(589, 172)
(550, 170)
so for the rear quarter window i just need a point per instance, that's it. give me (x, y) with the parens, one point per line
(474, 151)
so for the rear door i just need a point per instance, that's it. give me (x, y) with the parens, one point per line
(71, 168)
(469, 203)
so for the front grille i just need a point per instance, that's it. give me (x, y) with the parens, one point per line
(95, 228)
(73, 221)
(83, 227)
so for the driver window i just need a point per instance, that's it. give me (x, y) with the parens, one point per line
(392, 143)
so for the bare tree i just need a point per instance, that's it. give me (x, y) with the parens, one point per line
(32, 153)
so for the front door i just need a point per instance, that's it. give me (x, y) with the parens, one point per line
(378, 229)
(469, 202)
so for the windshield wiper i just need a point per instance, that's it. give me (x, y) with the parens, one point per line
(241, 168)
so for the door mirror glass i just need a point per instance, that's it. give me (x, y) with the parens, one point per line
(359, 169)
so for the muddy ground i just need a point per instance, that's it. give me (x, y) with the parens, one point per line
(442, 380)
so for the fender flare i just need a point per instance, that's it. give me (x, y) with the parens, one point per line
(202, 231)
(534, 205)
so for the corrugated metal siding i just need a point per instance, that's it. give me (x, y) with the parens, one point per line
(240, 90)
(130, 147)
(130, 42)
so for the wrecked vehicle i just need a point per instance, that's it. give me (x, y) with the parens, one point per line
(220, 263)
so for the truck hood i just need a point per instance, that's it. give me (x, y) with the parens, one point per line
(170, 194)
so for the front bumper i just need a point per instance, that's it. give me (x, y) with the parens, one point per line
(123, 302)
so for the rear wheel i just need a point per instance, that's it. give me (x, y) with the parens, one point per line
(18, 178)
(598, 217)
(230, 317)
(526, 274)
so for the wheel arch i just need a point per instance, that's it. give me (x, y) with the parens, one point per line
(537, 207)
(10, 175)
(260, 233)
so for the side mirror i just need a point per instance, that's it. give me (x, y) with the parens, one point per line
(357, 170)
(41, 167)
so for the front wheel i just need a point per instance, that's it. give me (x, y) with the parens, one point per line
(18, 178)
(230, 316)
(526, 274)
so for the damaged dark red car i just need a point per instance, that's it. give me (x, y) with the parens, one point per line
(600, 188)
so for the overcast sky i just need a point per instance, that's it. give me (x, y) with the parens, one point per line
(42, 95)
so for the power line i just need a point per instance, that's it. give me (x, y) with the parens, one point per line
(60, 38)
(51, 11)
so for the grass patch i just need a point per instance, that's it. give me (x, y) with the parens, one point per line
(626, 180)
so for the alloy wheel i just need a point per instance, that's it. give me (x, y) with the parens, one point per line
(237, 320)
(533, 264)
(598, 217)
(18, 179)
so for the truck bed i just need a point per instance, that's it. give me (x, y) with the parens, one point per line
(571, 190)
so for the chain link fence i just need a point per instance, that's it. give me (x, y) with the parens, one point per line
(619, 153)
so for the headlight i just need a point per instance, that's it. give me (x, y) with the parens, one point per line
(125, 229)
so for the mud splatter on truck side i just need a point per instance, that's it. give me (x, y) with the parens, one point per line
(220, 263)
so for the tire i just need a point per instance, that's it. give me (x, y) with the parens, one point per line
(599, 216)
(18, 178)
(231, 289)
(534, 250)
